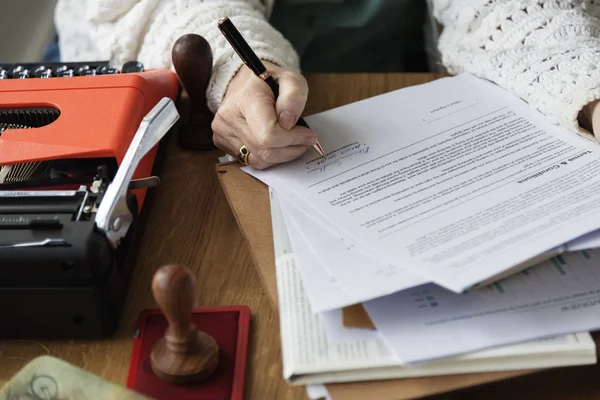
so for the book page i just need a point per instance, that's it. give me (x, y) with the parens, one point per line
(556, 297)
(456, 180)
(304, 342)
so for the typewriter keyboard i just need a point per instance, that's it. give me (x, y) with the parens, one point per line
(65, 70)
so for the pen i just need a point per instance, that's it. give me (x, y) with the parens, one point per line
(242, 48)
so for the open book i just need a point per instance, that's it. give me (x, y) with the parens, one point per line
(310, 358)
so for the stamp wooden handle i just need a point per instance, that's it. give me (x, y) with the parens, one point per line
(184, 355)
(192, 59)
(173, 290)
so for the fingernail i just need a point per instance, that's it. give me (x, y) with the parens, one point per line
(287, 120)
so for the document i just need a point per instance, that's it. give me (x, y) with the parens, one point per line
(326, 257)
(585, 242)
(455, 180)
(557, 297)
(310, 357)
(322, 291)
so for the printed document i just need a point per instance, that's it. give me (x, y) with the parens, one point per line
(322, 290)
(585, 242)
(310, 357)
(326, 258)
(456, 180)
(557, 297)
(327, 255)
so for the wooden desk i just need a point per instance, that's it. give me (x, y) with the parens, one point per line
(191, 223)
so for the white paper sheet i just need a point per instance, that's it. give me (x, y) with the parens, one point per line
(455, 180)
(334, 271)
(317, 392)
(586, 242)
(323, 292)
(329, 254)
(557, 297)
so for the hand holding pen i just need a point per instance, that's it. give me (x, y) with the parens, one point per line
(259, 118)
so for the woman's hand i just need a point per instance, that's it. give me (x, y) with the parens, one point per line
(589, 118)
(250, 116)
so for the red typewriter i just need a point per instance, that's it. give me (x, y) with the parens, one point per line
(80, 147)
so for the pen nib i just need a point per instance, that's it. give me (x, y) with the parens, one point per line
(318, 149)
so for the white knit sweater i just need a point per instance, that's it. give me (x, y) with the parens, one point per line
(546, 52)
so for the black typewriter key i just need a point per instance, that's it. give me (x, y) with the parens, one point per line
(61, 68)
(132, 66)
(20, 72)
(24, 74)
(42, 72)
(68, 73)
(106, 70)
(16, 70)
(82, 71)
(88, 72)
(4, 74)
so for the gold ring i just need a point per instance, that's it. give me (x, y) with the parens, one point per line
(243, 155)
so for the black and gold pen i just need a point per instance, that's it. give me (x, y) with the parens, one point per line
(242, 48)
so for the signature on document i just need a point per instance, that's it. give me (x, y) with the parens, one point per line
(337, 157)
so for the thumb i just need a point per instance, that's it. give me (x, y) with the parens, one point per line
(293, 93)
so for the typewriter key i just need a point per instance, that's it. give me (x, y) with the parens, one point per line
(68, 73)
(88, 72)
(20, 72)
(106, 70)
(17, 69)
(24, 74)
(4, 74)
(42, 72)
(61, 68)
(132, 66)
(82, 70)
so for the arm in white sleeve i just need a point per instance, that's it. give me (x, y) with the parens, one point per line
(546, 52)
(146, 30)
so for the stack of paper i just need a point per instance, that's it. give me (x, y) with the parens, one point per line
(435, 207)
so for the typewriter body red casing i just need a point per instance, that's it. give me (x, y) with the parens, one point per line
(99, 116)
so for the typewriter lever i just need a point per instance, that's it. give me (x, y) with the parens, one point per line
(113, 216)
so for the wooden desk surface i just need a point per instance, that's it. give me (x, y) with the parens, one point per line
(191, 223)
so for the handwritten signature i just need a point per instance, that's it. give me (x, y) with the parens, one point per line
(335, 158)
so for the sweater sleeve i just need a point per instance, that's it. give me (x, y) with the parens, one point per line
(146, 30)
(546, 52)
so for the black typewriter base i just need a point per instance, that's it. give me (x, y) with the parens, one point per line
(56, 313)
(89, 310)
